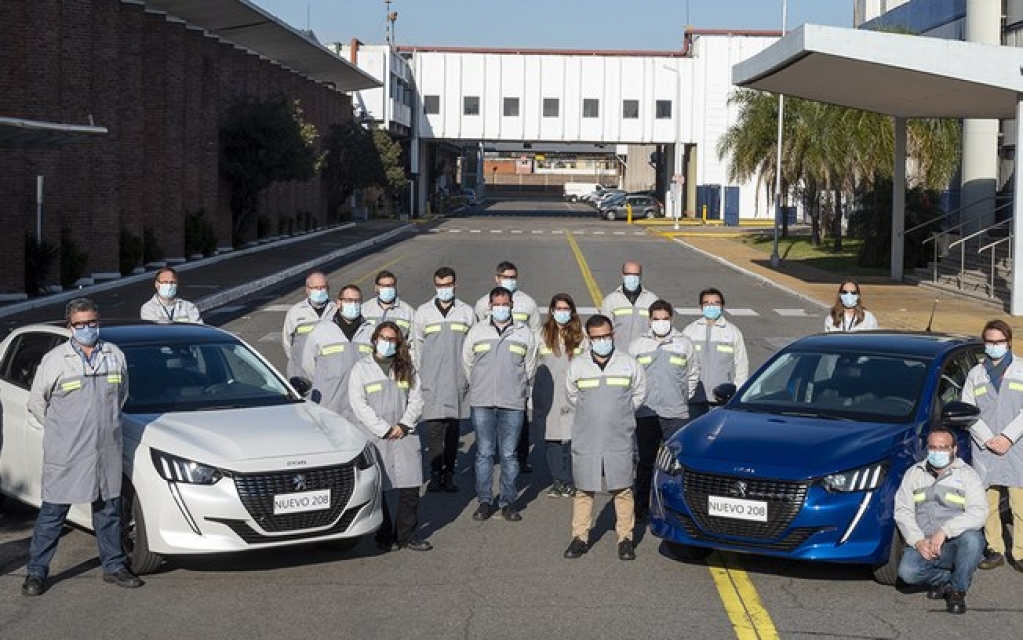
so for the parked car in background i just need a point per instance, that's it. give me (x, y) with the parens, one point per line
(469, 195)
(804, 461)
(574, 191)
(221, 454)
(642, 207)
(606, 197)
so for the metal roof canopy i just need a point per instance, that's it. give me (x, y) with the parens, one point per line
(249, 26)
(18, 133)
(904, 76)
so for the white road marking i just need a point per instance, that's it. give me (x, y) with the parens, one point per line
(741, 312)
(270, 337)
(475, 231)
(277, 307)
(536, 232)
(689, 311)
(496, 231)
(792, 313)
(454, 231)
(433, 230)
(598, 233)
(516, 231)
(227, 309)
(619, 233)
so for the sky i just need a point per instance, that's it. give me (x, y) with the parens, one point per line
(547, 24)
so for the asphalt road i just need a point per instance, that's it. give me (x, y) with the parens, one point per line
(499, 579)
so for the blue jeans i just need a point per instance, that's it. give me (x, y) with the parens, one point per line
(559, 460)
(106, 522)
(958, 560)
(496, 428)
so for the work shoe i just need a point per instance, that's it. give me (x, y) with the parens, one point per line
(626, 550)
(447, 482)
(939, 591)
(123, 578)
(992, 560)
(576, 549)
(557, 490)
(568, 491)
(483, 512)
(956, 601)
(436, 484)
(509, 513)
(33, 586)
(416, 544)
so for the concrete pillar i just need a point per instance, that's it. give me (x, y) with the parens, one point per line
(1016, 288)
(899, 200)
(980, 137)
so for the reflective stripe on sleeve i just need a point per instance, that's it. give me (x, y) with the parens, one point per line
(305, 328)
(645, 359)
(114, 378)
(955, 498)
(677, 360)
(588, 383)
(545, 351)
(332, 349)
(979, 391)
(71, 386)
(374, 388)
(1016, 386)
(618, 382)
(459, 327)
(365, 348)
(725, 348)
(402, 385)
(521, 317)
(517, 348)
(432, 328)
(479, 348)
(624, 311)
(919, 496)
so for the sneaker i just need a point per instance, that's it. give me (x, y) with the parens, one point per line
(557, 490)
(123, 578)
(447, 482)
(956, 601)
(939, 591)
(992, 560)
(576, 549)
(483, 512)
(510, 514)
(416, 544)
(33, 586)
(568, 491)
(626, 550)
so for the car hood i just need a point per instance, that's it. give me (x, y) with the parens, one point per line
(790, 447)
(251, 439)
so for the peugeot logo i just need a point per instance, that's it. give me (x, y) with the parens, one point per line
(298, 482)
(738, 489)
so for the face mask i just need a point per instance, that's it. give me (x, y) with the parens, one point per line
(501, 313)
(996, 351)
(561, 316)
(939, 459)
(631, 282)
(168, 291)
(603, 347)
(318, 296)
(387, 294)
(711, 312)
(849, 300)
(509, 284)
(86, 336)
(660, 327)
(351, 310)
(445, 294)
(386, 349)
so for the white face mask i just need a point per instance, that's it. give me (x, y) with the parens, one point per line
(445, 294)
(387, 294)
(660, 327)
(167, 291)
(509, 284)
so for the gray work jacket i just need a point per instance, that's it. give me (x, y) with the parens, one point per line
(78, 404)
(722, 354)
(672, 373)
(298, 324)
(524, 310)
(437, 341)
(1001, 413)
(399, 313)
(630, 320)
(499, 365)
(330, 356)
(183, 311)
(953, 502)
(550, 402)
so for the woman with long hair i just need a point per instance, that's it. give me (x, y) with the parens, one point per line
(848, 313)
(558, 340)
(387, 402)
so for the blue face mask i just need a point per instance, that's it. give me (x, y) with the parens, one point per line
(631, 282)
(996, 351)
(849, 300)
(387, 294)
(939, 459)
(711, 312)
(500, 313)
(86, 336)
(318, 296)
(603, 347)
(167, 291)
(509, 284)
(386, 349)
(445, 294)
(561, 316)
(351, 310)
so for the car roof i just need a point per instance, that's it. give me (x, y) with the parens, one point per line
(918, 344)
(142, 332)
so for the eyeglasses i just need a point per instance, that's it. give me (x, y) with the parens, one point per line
(940, 447)
(849, 291)
(600, 337)
(166, 282)
(81, 325)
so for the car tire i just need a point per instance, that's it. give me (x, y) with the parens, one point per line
(888, 571)
(133, 534)
(686, 553)
(341, 544)
(573, 199)
(610, 214)
(650, 214)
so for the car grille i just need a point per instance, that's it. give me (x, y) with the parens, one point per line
(245, 531)
(257, 493)
(790, 542)
(784, 500)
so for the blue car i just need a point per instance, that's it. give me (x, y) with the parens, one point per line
(804, 461)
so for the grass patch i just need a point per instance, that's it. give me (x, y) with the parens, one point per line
(798, 249)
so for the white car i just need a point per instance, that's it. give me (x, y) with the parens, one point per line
(221, 454)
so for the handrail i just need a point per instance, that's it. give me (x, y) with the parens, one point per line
(949, 214)
(944, 232)
(991, 246)
(977, 233)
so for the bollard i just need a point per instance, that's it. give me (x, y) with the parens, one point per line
(628, 212)
(704, 214)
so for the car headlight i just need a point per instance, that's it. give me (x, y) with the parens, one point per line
(366, 459)
(863, 479)
(667, 461)
(175, 469)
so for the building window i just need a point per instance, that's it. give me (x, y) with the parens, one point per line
(663, 109)
(591, 108)
(431, 104)
(550, 107)
(511, 107)
(471, 105)
(630, 109)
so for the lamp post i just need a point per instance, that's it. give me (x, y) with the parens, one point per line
(775, 258)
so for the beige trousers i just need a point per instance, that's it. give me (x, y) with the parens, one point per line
(582, 514)
(993, 525)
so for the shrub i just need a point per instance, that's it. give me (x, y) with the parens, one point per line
(73, 259)
(39, 260)
(131, 251)
(151, 251)
(200, 234)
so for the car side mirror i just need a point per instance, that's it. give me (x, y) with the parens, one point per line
(959, 415)
(302, 385)
(724, 392)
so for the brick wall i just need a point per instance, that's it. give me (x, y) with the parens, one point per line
(160, 87)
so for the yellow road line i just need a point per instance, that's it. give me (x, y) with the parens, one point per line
(749, 618)
(584, 268)
(372, 274)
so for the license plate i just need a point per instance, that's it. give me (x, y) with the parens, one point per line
(737, 509)
(302, 501)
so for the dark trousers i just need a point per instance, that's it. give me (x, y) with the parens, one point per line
(651, 431)
(559, 460)
(442, 441)
(106, 521)
(402, 527)
(522, 448)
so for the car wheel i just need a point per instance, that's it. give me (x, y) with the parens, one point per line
(686, 553)
(341, 544)
(573, 199)
(133, 535)
(609, 214)
(888, 571)
(650, 214)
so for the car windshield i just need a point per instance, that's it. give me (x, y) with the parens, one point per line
(876, 388)
(165, 377)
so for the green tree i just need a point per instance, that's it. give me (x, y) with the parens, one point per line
(391, 156)
(263, 141)
(351, 162)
